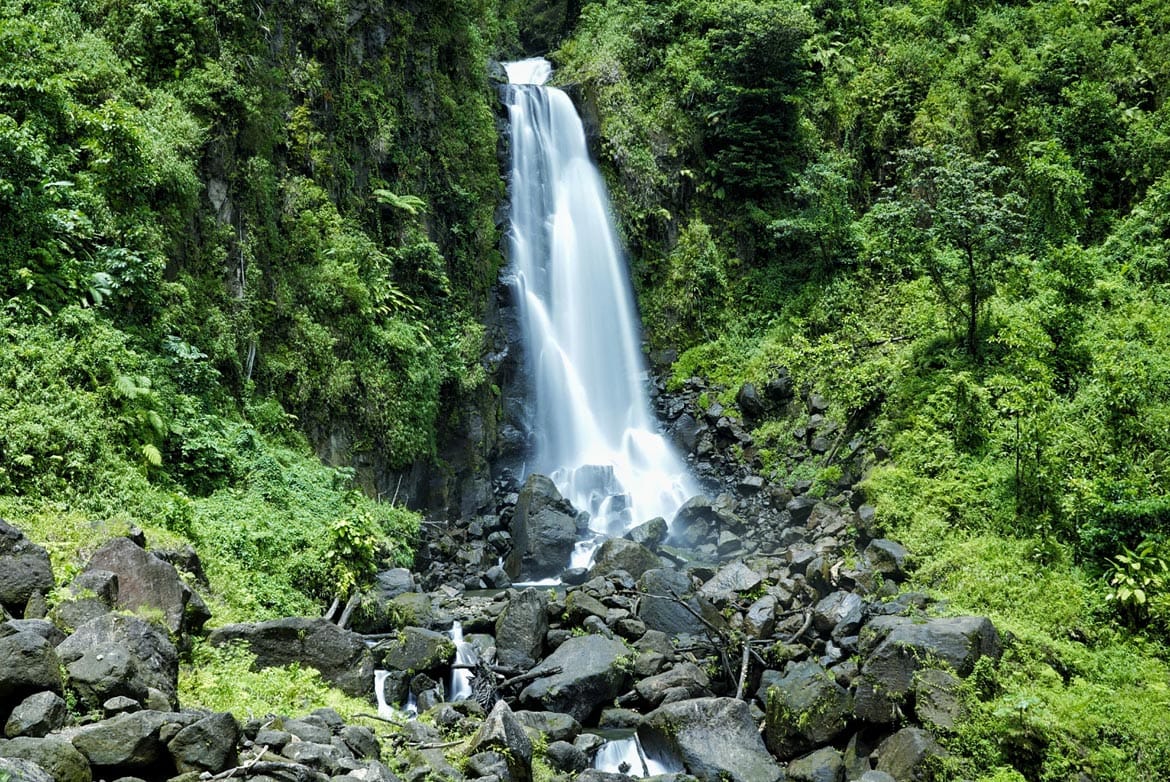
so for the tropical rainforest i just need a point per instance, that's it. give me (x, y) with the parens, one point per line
(247, 250)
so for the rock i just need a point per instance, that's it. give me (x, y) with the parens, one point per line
(543, 529)
(800, 508)
(593, 671)
(838, 613)
(650, 534)
(817, 403)
(120, 704)
(911, 755)
(779, 388)
(362, 741)
(805, 708)
(24, 569)
(42, 627)
(895, 648)
(563, 756)
(375, 614)
(661, 611)
(18, 770)
(749, 402)
(488, 765)
(411, 608)
(37, 715)
(888, 558)
(876, 776)
(415, 649)
(55, 755)
(731, 579)
(503, 733)
(824, 765)
(937, 702)
(580, 605)
(685, 432)
(115, 654)
(556, 726)
(620, 554)
(28, 665)
(688, 676)
(323, 757)
(339, 655)
(207, 745)
(128, 742)
(145, 581)
(716, 739)
(521, 628)
(760, 619)
(695, 522)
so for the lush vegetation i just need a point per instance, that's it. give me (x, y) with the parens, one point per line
(950, 220)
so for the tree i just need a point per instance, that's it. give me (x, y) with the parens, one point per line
(951, 215)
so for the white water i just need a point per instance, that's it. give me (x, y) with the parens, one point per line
(625, 756)
(596, 437)
(464, 655)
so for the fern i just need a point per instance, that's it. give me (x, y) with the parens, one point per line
(412, 205)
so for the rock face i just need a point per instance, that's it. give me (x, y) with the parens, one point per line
(36, 715)
(895, 647)
(339, 655)
(414, 650)
(24, 569)
(207, 745)
(593, 671)
(129, 742)
(54, 755)
(805, 708)
(28, 665)
(521, 629)
(117, 655)
(146, 581)
(620, 554)
(716, 739)
(543, 529)
(501, 732)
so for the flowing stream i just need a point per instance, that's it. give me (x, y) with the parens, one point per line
(595, 434)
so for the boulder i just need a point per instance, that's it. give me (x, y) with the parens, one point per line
(207, 745)
(805, 708)
(18, 770)
(716, 739)
(685, 432)
(888, 558)
(800, 508)
(340, 656)
(555, 726)
(115, 654)
(937, 701)
(563, 756)
(55, 755)
(728, 581)
(593, 671)
(24, 569)
(661, 606)
(621, 554)
(146, 581)
(839, 614)
(28, 665)
(894, 648)
(760, 619)
(128, 742)
(543, 529)
(749, 402)
(911, 755)
(375, 614)
(650, 534)
(824, 765)
(37, 715)
(415, 649)
(695, 522)
(502, 732)
(521, 628)
(688, 676)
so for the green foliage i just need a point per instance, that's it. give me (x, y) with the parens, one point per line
(1139, 581)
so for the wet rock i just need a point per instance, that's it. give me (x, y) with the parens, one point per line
(114, 655)
(556, 726)
(760, 619)
(521, 629)
(148, 582)
(543, 529)
(839, 614)
(895, 648)
(749, 402)
(55, 755)
(128, 742)
(937, 702)
(620, 554)
(593, 671)
(415, 649)
(805, 708)
(24, 569)
(661, 609)
(362, 741)
(503, 733)
(650, 534)
(563, 756)
(887, 558)
(37, 715)
(339, 655)
(716, 739)
(207, 745)
(686, 676)
(19, 770)
(375, 615)
(28, 665)
(801, 508)
(730, 580)
(685, 432)
(910, 755)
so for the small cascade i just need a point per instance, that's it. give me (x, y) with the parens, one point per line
(595, 434)
(626, 756)
(385, 710)
(461, 674)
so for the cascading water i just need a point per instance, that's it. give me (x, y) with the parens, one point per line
(595, 435)
(464, 656)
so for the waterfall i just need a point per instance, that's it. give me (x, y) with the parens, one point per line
(626, 756)
(595, 435)
(464, 656)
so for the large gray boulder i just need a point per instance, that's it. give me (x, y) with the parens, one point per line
(823, 765)
(553, 725)
(911, 755)
(207, 745)
(729, 581)
(18, 770)
(716, 739)
(686, 677)
(621, 554)
(28, 665)
(501, 732)
(37, 715)
(650, 534)
(128, 743)
(543, 529)
(894, 648)
(54, 754)
(114, 655)
(24, 569)
(521, 628)
(148, 582)
(805, 708)
(340, 656)
(664, 592)
(593, 671)
(415, 650)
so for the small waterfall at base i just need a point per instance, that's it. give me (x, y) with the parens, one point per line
(626, 756)
(595, 435)
(464, 656)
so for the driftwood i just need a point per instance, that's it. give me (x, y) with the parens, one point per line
(249, 766)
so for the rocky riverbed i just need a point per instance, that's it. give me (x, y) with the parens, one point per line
(762, 634)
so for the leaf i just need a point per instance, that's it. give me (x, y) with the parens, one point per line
(152, 455)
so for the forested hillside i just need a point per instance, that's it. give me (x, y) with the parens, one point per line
(247, 250)
(949, 219)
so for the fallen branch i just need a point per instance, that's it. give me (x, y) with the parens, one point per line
(381, 719)
(743, 671)
(808, 617)
(231, 772)
(533, 674)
